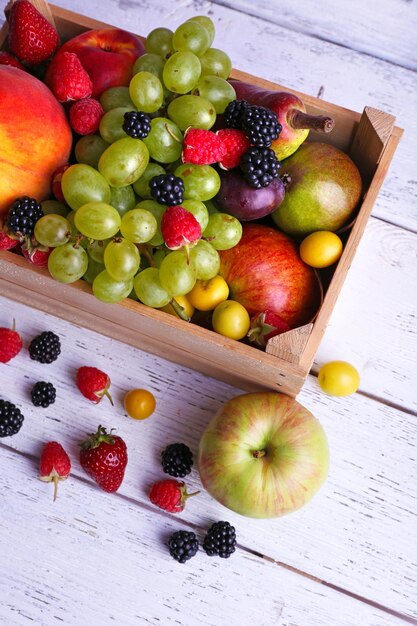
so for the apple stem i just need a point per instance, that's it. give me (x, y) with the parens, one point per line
(299, 120)
(258, 454)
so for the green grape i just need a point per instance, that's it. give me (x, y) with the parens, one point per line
(191, 36)
(149, 62)
(97, 220)
(146, 91)
(52, 230)
(217, 90)
(177, 273)
(82, 183)
(201, 182)
(55, 207)
(193, 111)
(89, 149)
(106, 289)
(93, 269)
(215, 62)
(121, 259)
(123, 199)
(199, 210)
(164, 142)
(205, 259)
(111, 125)
(223, 231)
(116, 97)
(95, 250)
(67, 263)
(208, 24)
(181, 72)
(157, 211)
(141, 186)
(159, 41)
(138, 225)
(123, 161)
(149, 290)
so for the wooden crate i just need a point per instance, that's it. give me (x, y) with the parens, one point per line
(370, 139)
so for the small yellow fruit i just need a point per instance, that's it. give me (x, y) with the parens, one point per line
(321, 249)
(139, 403)
(231, 319)
(207, 294)
(339, 378)
(182, 301)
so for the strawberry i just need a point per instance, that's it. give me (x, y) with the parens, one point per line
(10, 343)
(67, 78)
(93, 383)
(36, 253)
(85, 116)
(179, 228)
(202, 147)
(170, 495)
(55, 464)
(104, 457)
(7, 59)
(7, 242)
(265, 325)
(31, 37)
(235, 144)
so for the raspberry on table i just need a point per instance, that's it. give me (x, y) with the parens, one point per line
(220, 540)
(23, 215)
(233, 113)
(260, 125)
(137, 124)
(45, 348)
(167, 189)
(183, 545)
(43, 394)
(177, 460)
(85, 116)
(10, 343)
(11, 419)
(259, 167)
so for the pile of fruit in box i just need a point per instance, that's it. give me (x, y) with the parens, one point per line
(145, 170)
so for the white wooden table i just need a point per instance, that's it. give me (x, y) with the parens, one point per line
(350, 556)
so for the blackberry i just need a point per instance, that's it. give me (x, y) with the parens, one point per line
(137, 124)
(43, 394)
(11, 419)
(260, 125)
(167, 189)
(177, 460)
(220, 540)
(23, 215)
(183, 545)
(259, 166)
(233, 113)
(45, 348)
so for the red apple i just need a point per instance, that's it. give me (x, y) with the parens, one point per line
(107, 55)
(35, 136)
(264, 272)
(263, 455)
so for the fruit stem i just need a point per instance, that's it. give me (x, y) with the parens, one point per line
(299, 120)
(56, 480)
(258, 454)
(189, 495)
(143, 249)
(173, 135)
(179, 310)
(107, 393)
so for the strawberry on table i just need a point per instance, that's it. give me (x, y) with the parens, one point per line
(170, 495)
(10, 343)
(31, 37)
(104, 457)
(55, 464)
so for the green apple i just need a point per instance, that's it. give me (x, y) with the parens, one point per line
(263, 455)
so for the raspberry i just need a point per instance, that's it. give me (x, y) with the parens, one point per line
(23, 215)
(202, 147)
(183, 545)
(31, 37)
(260, 125)
(177, 460)
(43, 394)
(259, 166)
(45, 348)
(220, 540)
(137, 124)
(11, 419)
(236, 145)
(35, 253)
(67, 78)
(170, 495)
(233, 113)
(7, 59)
(179, 228)
(7, 242)
(10, 344)
(85, 116)
(167, 189)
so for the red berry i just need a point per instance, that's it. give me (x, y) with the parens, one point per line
(265, 325)
(85, 116)
(104, 457)
(67, 78)
(36, 253)
(31, 37)
(93, 383)
(235, 144)
(10, 344)
(55, 464)
(7, 59)
(179, 228)
(56, 182)
(170, 495)
(7, 242)
(202, 147)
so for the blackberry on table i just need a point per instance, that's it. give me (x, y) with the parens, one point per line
(23, 215)
(137, 124)
(220, 540)
(259, 166)
(177, 460)
(233, 113)
(11, 419)
(45, 348)
(167, 189)
(183, 545)
(43, 394)
(260, 125)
